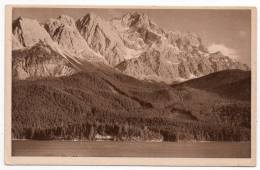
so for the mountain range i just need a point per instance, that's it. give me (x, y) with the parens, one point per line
(132, 44)
(127, 78)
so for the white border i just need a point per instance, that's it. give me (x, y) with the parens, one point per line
(100, 2)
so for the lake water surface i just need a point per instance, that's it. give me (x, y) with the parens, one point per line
(131, 149)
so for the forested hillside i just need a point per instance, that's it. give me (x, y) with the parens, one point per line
(102, 101)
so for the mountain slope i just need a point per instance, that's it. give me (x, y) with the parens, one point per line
(235, 84)
(73, 80)
(63, 31)
(106, 99)
(132, 44)
(35, 55)
(167, 56)
(102, 38)
(137, 30)
(15, 43)
(39, 61)
(168, 63)
(29, 32)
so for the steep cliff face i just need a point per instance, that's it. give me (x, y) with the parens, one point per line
(35, 54)
(64, 31)
(133, 44)
(170, 56)
(140, 26)
(137, 31)
(39, 61)
(15, 43)
(102, 38)
(167, 66)
(29, 32)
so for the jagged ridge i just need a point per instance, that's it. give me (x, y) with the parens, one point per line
(133, 44)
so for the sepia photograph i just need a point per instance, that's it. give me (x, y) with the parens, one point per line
(130, 83)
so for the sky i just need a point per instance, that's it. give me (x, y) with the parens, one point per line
(228, 31)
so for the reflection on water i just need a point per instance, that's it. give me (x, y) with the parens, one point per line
(131, 149)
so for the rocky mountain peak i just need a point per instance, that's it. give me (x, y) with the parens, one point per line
(135, 19)
(140, 22)
(64, 32)
(18, 20)
(102, 37)
(133, 44)
(88, 17)
(62, 22)
(67, 20)
(29, 32)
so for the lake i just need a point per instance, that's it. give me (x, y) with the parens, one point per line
(131, 149)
